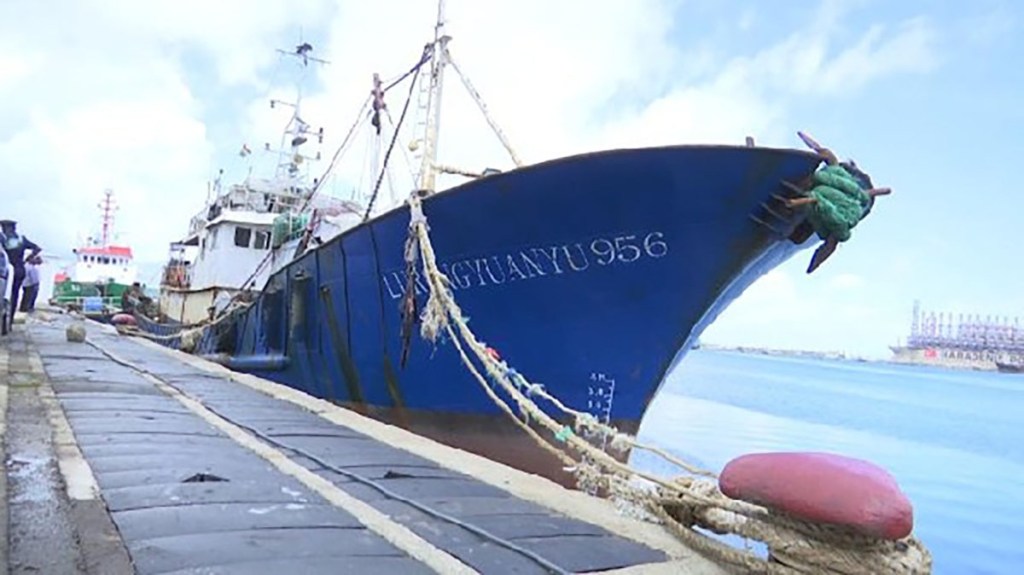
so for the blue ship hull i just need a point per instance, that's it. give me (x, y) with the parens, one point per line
(591, 274)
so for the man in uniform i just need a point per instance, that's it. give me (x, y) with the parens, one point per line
(15, 246)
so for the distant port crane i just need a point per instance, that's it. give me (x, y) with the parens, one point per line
(965, 332)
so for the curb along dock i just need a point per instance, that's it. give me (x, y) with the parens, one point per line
(126, 457)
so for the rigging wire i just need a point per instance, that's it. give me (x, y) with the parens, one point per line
(392, 188)
(405, 153)
(360, 118)
(338, 153)
(428, 53)
(401, 118)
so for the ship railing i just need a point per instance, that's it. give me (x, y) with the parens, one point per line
(277, 198)
(88, 303)
(274, 200)
(197, 223)
(330, 206)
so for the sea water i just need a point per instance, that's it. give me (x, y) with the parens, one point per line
(954, 440)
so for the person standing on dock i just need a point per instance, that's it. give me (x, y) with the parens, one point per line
(15, 246)
(30, 287)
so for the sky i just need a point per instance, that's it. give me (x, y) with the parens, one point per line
(151, 99)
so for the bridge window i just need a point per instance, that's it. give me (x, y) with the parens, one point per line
(262, 240)
(242, 236)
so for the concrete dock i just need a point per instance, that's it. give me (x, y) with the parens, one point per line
(126, 457)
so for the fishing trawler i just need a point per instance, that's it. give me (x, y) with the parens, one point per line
(593, 273)
(101, 270)
(253, 227)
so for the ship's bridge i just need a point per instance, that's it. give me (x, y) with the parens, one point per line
(104, 263)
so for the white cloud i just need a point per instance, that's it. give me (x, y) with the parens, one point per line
(137, 133)
(997, 25)
(13, 68)
(824, 311)
(880, 52)
(846, 281)
(747, 19)
(101, 98)
(542, 74)
(815, 60)
(104, 96)
(549, 81)
(232, 33)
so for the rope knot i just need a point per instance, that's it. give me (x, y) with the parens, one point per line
(416, 216)
(840, 203)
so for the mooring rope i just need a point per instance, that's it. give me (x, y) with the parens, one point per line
(189, 336)
(684, 504)
(688, 505)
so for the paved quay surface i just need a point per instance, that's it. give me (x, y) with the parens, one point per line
(124, 457)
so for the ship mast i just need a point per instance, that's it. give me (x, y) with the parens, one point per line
(297, 129)
(438, 60)
(107, 217)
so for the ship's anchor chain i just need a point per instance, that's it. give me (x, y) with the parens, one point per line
(688, 505)
(839, 196)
